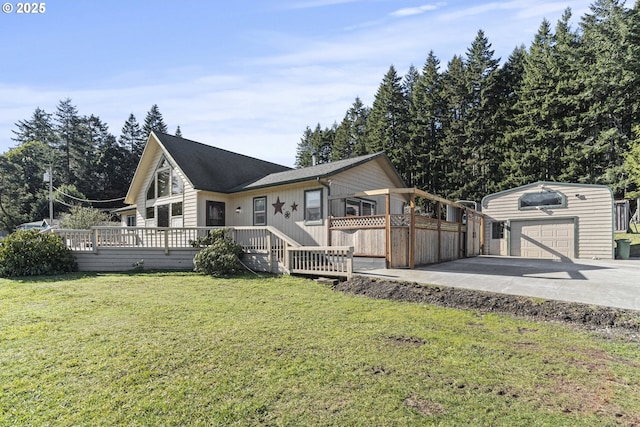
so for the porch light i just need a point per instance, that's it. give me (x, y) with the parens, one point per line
(238, 209)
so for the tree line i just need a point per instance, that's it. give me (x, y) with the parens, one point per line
(88, 161)
(565, 108)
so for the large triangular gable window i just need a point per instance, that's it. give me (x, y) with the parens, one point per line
(165, 182)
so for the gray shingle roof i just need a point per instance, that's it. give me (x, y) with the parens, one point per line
(312, 172)
(214, 169)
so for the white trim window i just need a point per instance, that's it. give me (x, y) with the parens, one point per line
(165, 182)
(260, 210)
(313, 207)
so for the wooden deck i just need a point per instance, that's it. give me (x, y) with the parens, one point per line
(266, 249)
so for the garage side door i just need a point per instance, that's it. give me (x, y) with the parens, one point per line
(543, 238)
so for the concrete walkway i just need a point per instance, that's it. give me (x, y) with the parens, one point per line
(612, 283)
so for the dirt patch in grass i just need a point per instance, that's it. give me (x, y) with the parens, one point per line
(608, 321)
(424, 406)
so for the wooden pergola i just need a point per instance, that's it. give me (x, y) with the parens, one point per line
(434, 224)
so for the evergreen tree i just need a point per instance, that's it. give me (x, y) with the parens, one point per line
(38, 128)
(305, 150)
(350, 135)
(113, 168)
(14, 195)
(154, 122)
(426, 126)
(105, 163)
(32, 160)
(510, 76)
(632, 164)
(322, 142)
(481, 159)
(535, 139)
(69, 130)
(388, 123)
(132, 138)
(612, 99)
(178, 132)
(455, 94)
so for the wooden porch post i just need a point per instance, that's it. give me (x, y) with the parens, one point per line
(439, 215)
(388, 232)
(461, 212)
(482, 234)
(412, 232)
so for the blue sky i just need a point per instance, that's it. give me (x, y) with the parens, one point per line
(246, 76)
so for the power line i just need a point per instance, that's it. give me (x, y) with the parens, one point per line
(87, 200)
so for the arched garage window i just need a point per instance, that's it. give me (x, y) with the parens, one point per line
(543, 199)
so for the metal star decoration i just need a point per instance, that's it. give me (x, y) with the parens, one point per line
(294, 207)
(277, 206)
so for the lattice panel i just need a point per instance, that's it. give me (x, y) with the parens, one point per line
(358, 222)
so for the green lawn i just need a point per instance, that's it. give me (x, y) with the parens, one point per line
(183, 349)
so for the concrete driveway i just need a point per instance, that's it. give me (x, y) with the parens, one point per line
(612, 283)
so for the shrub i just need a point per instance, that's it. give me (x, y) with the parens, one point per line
(30, 253)
(221, 256)
(81, 218)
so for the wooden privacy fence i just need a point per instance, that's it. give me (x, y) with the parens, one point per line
(266, 249)
(406, 240)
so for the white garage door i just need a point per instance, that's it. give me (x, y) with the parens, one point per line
(543, 238)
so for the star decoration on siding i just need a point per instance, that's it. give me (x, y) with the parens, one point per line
(277, 206)
(294, 207)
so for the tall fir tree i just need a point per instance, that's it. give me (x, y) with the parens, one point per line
(304, 150)
(97, 137)
(455, 94)
(113, 170)
(612, 99)
(154, 121)
(350, 135)
(481, 159)
(535, 139)
(388, 123)
(33, 159)
(426, 126)
(132, 137)
(69, 141)
(14, 195)
(510, 76)
(38, 128)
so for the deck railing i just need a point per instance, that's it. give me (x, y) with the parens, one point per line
(322, 260)
(292, 258)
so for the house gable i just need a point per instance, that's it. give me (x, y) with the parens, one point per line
(204, 167)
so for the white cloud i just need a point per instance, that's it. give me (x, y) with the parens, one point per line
(411, 11)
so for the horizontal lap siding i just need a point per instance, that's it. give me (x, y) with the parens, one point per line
(118, 259)
(126, 259)
(593, 210)
(369, 176)
(289, 221)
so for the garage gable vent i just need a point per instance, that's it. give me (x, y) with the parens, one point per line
(543, 199)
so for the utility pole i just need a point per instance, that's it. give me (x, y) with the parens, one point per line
(48, 176)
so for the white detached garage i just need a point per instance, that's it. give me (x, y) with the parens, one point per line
(550, 220)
